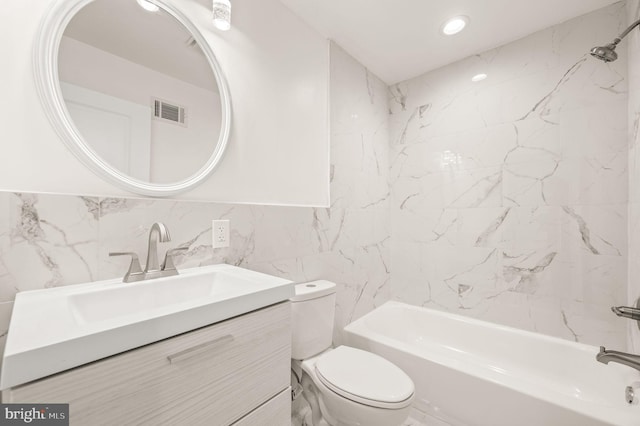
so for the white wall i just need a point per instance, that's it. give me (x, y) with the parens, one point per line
(176, 151)
(277, 70)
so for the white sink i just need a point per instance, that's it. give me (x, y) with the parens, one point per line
(55, 329)
(114, 301)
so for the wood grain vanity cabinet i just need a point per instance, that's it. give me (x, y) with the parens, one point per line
(235, 372)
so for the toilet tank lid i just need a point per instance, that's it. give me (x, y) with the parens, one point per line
(313, 290)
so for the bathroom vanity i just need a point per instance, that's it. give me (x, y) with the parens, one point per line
(230, 371)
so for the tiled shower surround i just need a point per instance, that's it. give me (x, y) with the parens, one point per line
(509, 195)
(504, 199)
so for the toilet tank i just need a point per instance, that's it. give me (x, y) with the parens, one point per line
(312, 312)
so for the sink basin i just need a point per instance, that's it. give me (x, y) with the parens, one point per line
(55, 329)
(114, 301)
(101, 305)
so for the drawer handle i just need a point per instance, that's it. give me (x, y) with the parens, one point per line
(195, 350)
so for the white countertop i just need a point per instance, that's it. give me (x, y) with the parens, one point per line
(56, 329)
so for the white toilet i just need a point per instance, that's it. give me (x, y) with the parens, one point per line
(344, 386)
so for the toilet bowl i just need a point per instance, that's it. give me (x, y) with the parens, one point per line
(345, 386)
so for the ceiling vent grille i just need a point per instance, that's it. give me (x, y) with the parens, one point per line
(166, 111)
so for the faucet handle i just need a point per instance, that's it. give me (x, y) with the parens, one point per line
(168, 264)
(135, 272)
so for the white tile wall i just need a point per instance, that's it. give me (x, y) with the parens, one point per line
(509, 196)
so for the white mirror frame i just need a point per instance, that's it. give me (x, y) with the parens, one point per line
(45, 65)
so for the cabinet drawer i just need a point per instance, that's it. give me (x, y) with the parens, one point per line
(275, 412)
(210, 376)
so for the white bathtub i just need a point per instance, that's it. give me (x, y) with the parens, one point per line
(470, 372)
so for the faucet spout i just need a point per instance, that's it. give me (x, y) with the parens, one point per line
(158, 233)
(630, 360)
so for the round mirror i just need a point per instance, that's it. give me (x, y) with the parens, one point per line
(135, 92)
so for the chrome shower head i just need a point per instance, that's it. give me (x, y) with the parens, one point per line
(608, 53)
(605, 53)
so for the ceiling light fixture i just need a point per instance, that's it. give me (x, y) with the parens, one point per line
(222, 14)
(148, 6)
(455, 25)
(478, 77)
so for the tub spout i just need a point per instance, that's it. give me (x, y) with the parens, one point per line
(630, 360)
(626, 312)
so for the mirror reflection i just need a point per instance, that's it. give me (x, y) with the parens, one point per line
(139, 90)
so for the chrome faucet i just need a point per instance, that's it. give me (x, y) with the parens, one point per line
(158, 233)
(630, 360)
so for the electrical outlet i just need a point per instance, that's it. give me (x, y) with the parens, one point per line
(220, 233)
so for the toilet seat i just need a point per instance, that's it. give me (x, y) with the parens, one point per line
(365, 378)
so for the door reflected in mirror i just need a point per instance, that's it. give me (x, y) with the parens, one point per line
(140, 91)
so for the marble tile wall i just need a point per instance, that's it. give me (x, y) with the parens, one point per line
(54, 240)
(509, 195)
(633, 52)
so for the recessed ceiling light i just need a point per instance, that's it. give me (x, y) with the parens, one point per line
(479, 77)
(455, 25)
(148, 6)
